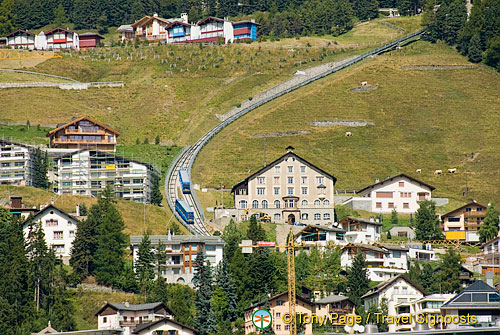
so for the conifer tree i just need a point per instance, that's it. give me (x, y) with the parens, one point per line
(205, 318)
(426, 223)
(489, 229)
(394, 217)
(39, 174)
(357, 279)
(233, 237)
(7, 17)
(448, 276)
(85, 244)
(111, 241)
(474, 51)
(62, 310)
(144, 268)
(255, 231)
(156, 196)
(226, 283)
(60, 17)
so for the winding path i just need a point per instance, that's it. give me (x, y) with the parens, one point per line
(187, 157)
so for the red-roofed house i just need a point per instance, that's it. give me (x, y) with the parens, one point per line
(59, 38)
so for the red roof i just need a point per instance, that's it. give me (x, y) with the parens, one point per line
(177, 23)
(210, 18)
(53, 131)
(20, 31)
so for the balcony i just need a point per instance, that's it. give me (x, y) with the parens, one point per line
(474, 214)
(79, 131)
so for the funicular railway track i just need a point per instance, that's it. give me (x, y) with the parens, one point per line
(187, 157)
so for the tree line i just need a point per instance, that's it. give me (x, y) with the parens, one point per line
(478, 38)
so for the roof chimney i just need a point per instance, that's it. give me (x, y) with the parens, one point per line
(489, 278)
(77, 210)
(16, 202)
(289, 148)
(377, 180)
(184, 17)
(155, 15)
(126, 304)
(372, 219)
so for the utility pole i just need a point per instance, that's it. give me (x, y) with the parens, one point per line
(265, 144)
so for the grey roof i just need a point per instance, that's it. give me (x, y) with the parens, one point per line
(380, 287)
(124, 28)
(476, 287)
(54, 208)
(147, 325)
(134, 307)
(321, 227)
(366, 246)
(402, 175)
(362, 220)
(396, 248)
(331, 299)
(178, 239)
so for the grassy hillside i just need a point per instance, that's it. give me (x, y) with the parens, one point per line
(138, 217)
(176, 90)
(424, 117)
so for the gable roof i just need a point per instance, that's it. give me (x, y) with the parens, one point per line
(89, 34)
(133, 307)
(58, 28)
(321, 227)
(278, 160)
(124, 28)
(372, 247)
(53, 131)
(140, 21)
(44, 210)
(476, 287)
(245, 21)
(177, 23)
(392, 178)
(20, 31)
(473, 203)
(382, 286)
(490, 241)
(143, 326)
(360, 220)
(331, 299)
(210, 18)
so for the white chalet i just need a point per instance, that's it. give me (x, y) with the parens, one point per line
(360, 231)
(395, 291)
(164, 326)
(401, 193)
(59, 228)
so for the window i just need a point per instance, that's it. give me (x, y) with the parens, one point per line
(261, 180)
(326, 203)
(290, 169)
(326, 216)
(277, 204)
(255, 204)
(396, 254)
(453, 219)
(317, 204)
(242, 204)
(304, 203)
(317, 216)
(287, 327)
(406, 205)
(319, 180)
(378, 205)
(277, 217)
(277, 169)
(304, 190)
(279, 303)
(384, 194)
(58, 235)
(276, 180)
(305, 216)
(104, 319)
(276, 190)
(303, 169)
(278, 327)
(71, 233)
(186, 258)
(260, 191)
(58, 248)
(401, 184)
(264, 204)
(290, 191)
(290, 180)
(303, 180)
(210, 248)
(405, 194)
(391, 205)
(137, 181)
(51, 223)
(405, 290)
(19, 163)
(290, 204)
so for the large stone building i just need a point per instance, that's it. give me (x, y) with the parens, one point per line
(288, 190)
(16, 164)
(181, 253)
(83, 133)
(87, 172)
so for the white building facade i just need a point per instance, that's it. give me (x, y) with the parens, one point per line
(59, 228)
(87, 172)
(181, 251)
(360, 231)
(16, 166)
(401, 193)
(288, 190)
(55, 39)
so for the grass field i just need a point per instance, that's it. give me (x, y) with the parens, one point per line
(428, 119)
(138, 217)
(14, 77)
(176, 90)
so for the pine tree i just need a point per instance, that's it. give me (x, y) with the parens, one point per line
(426, 224)
(144, 268)
(233, 237)
(60, 17)
(449, 273)
(40, 162)
(111, 241)
(137, 11)
(157, 139)
(389, 236)
(7, 17)
(203, 281)
(357, 279)
(489, 228)
(394, 217)
(255, 231)
(85, 244)
(226, 283)
(156, 196)
(62, 309)
(83, 209)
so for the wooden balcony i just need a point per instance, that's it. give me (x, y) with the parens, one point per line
(474, 214)
(70, 141)
(78, 131)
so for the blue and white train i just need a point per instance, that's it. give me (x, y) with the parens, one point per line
(184, 181)
(184, 210)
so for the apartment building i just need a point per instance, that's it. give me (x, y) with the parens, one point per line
(87, 172)
(180, 251)
(490, 260)
(401, 193)
(429, 304)
(180, 30)
(289, 189)
(16, 166)
(59, 229)
(83, 133)
(463, 223)
(384, 262)
(360, 231)
(129, 316)
(395, 292)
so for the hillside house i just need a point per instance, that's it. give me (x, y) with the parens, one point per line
(464, 222)
(339, 304)
(279, 306)
(479, 299)
(128, 316)
(21, 39)
(90, 40)
(164, 326)
(55, 39)
(490, 261)
(289, 189)
(59, 228)
(430, 304)
(83, 133)
(18, 210)
(181, 253)
(16, 163)
(126, 32)
(320, 235)
(87, 172)
(407, 232)
(401, 193)
(395, 291)
(360, 231)
(466, 276)
(383, 262)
